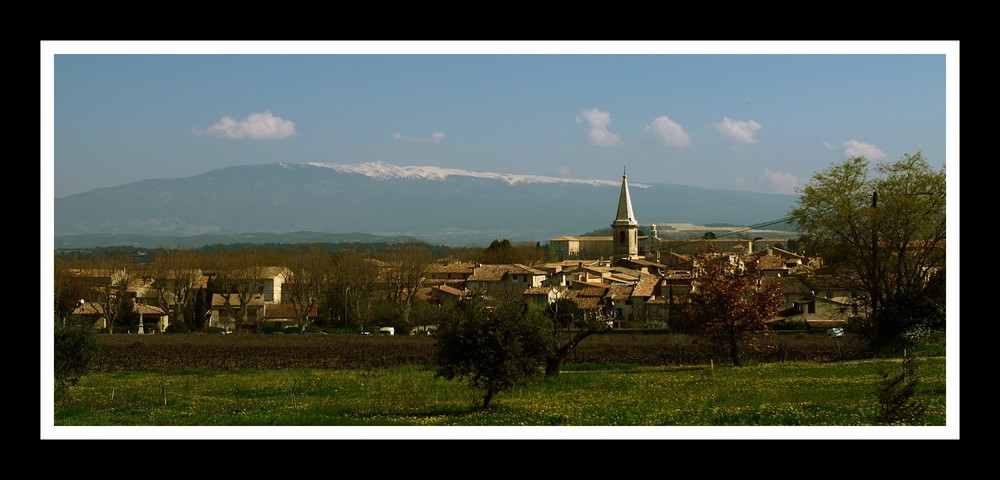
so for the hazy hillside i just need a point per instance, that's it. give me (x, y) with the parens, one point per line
(435, 205)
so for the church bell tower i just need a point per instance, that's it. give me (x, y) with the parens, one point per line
(625, 229)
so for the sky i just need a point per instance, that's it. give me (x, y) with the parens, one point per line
(752, 116)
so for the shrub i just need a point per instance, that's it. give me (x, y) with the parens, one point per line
(896, 405)
(75, 349)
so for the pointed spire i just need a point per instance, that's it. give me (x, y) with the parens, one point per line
(625, 215)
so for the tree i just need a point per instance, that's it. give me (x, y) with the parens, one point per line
(175, 284)
(570, 326)
(74, 348)
(111, 276)
(70, 288)
(357, 275)
(308, 274)
(496, 345)
(406, 270)
(886, 228)
(730, 305)
(239, 278)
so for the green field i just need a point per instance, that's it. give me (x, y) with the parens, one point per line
(810, 394)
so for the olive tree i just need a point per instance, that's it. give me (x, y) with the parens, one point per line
(883, 225)
(494, 344)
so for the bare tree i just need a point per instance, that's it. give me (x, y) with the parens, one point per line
(70, 288)
(175, 284)
(570, 326)
(357, 275)
(239, 277)
(113, 275)
(406, 269)
(309, 273)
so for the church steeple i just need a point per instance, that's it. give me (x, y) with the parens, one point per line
(625, 229)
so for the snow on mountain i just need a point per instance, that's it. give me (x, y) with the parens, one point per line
(382, 170)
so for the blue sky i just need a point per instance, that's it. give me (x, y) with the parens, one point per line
(755, 116)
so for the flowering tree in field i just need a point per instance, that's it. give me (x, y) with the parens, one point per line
(730, 306)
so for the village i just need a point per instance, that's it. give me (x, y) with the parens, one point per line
(633, 280)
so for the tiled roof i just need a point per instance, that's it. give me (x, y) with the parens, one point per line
(587, 303)
(789, 285)
(620, 292)
(537, 291)
(488, 273)
(457, 267)
(646, 286)
(771, 262)
(786, 253)
(284, 310)
(829, 282)
(271, 272)
(452, 290)
(593, 291)
(520, 269)
(234, 300)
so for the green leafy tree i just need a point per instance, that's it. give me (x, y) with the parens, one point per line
(730, 306)
(495, 345)
(75, 348)
(884, 226)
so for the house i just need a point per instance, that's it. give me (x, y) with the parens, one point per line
(151, 318)
(281, 315)
(803, 304)
(221, 316)
(492, 280)
(450, 273)
(645, 289)
(446, 294)
(272, 280)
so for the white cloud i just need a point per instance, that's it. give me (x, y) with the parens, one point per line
(258, 126)
(737, 132)
(828, 145)
(436, 137)
(854, 148)
(779, 182)
(668, 132)
(597, 122)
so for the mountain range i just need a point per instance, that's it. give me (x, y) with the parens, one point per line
(437, 205)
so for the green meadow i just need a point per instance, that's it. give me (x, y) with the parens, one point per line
(766, 394)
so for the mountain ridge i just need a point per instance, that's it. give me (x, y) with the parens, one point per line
(429, 203)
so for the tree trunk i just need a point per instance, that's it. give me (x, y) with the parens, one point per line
(552, 366)
(487, 398)
(734, 351)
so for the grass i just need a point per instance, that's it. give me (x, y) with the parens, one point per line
(773, 394)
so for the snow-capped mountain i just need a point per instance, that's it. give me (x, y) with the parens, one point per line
(384, 170)
(439, 205)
